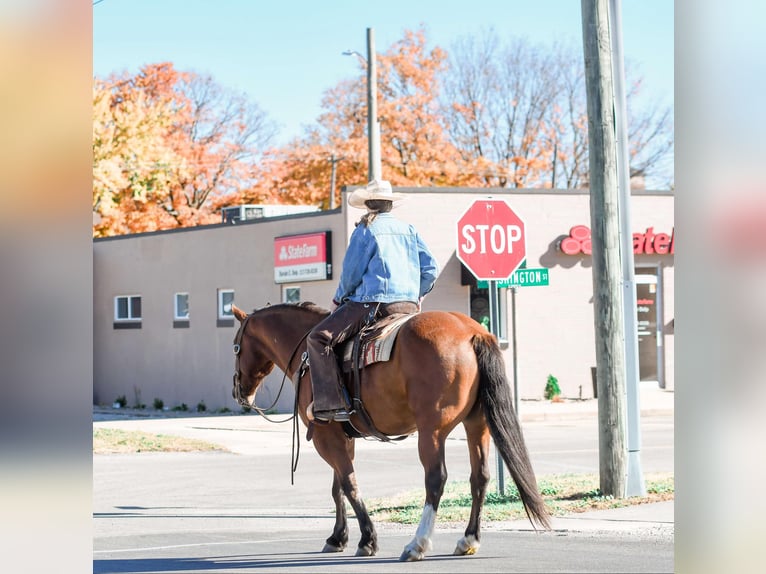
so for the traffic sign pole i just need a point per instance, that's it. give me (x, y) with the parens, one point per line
(494, 328)
(515, 362)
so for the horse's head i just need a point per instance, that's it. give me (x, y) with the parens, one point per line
(251, 365)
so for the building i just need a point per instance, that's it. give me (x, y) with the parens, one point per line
(163, 327)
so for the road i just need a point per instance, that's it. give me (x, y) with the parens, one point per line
(238, 512)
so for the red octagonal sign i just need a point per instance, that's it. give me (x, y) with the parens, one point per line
(490, 240)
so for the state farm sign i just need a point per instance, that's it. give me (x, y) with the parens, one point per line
(649, 242)
(304, 257)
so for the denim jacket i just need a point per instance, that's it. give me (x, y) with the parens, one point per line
(386, 262)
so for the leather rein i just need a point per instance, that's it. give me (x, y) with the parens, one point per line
(302, 368)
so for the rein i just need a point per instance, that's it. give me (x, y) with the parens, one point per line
(301, 371)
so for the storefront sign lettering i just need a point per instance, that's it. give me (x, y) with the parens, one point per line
(647, 243)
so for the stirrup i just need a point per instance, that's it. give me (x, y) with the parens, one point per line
(310, 412)
(338, 415)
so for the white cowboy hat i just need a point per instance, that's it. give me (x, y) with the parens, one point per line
(376, 189)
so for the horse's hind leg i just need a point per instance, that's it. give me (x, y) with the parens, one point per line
(431, 448)
(477, 435)
(339, 538)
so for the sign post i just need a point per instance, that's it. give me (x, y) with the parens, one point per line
(492, 245)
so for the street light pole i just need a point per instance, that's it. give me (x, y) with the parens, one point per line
(373, 127)
(374, 169)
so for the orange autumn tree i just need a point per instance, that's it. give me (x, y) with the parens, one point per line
(415, 148)
(170, 148)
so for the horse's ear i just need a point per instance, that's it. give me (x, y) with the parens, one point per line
(238, 313)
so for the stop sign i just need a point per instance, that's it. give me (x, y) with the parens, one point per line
(490, 240)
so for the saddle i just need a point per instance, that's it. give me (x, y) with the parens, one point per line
(373, 344)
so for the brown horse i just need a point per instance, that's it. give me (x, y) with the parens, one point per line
(445, 369)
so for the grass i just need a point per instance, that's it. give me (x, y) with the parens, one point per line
(110, 441)
(563, 494)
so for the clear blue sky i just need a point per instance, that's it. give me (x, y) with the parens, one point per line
(285, 53)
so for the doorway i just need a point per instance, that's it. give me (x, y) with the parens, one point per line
(651, 359)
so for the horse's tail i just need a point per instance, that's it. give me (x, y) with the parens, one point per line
(495, 396)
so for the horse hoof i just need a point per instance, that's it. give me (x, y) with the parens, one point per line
(411, 555)
(332, 548)
(466, 546)
(365, 551)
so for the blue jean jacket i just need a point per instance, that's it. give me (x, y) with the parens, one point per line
(386, 262)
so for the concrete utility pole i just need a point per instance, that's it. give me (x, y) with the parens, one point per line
(607, 293)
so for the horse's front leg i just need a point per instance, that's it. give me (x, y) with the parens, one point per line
(339, 538)
(477, 435)
(338, 451)
(431, 450)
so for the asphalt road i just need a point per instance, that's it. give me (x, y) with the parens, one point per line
(224, 512)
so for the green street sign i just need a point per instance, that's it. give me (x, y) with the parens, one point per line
(537, 277)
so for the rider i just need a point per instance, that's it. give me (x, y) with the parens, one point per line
(387, 265)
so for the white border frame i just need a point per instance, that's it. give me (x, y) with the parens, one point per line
(176, 316)
(220, 303)
(118, 319)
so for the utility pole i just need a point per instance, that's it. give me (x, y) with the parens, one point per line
(333, 162)
(604, 206)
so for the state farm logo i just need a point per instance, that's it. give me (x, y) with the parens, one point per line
(288, 252)
(577, 242)
(649, 242)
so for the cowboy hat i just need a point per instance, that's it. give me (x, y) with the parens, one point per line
(376, 189)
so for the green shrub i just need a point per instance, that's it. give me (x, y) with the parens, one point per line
(552, 387)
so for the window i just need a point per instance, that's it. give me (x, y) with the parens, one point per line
(127, 308)
(291, 294)
(225, 301)
(181, 307)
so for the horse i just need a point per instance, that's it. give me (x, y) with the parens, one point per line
(445, 369)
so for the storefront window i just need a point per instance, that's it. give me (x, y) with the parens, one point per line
(480, 309)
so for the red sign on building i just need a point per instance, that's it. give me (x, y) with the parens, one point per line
(490, 240)
(304, 257)
(648, 243)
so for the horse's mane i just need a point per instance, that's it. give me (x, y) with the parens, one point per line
(307, 306)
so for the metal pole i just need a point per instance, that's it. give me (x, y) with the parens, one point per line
(635, 480)
(333, 161)
(515, 361)
(373, 128)
(494, 328)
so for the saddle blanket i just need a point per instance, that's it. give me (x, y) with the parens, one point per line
(377, 341)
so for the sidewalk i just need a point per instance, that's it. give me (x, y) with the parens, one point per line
(653, 401)
(252, 434)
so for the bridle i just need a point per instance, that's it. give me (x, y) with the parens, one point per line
(302, 369)
(242, 400)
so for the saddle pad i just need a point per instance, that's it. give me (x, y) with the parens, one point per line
(377, 341)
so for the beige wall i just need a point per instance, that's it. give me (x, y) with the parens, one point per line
(193, 364)
(555, 331)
